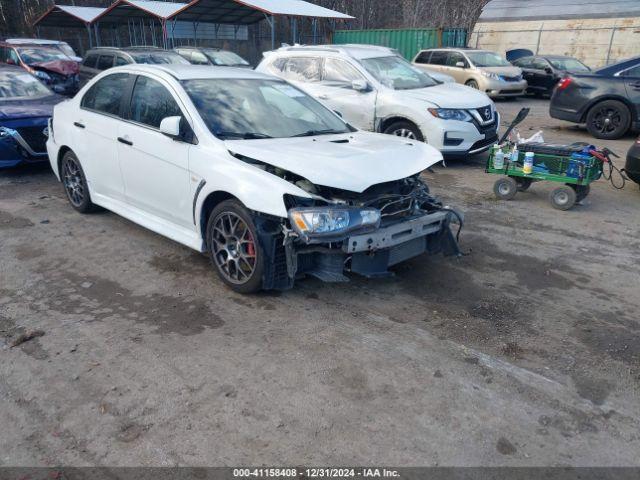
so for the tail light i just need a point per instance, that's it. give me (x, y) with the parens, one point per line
(564, 83)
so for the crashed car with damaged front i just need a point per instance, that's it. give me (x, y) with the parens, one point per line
(250, 169)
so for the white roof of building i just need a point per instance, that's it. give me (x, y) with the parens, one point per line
(294, 8)
(158, 8)
(86, 14)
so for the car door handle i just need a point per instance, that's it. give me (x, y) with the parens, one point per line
(79, 125)
(125, 141)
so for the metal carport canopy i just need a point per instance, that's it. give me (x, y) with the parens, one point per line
(68, 16)
(125, 10)
(245, 12)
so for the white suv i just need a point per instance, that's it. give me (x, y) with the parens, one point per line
(375, 89)
(246, 167)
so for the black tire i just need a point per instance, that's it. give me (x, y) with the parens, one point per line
(581, 191)
(231, 249)
(563, 198)
(75, 184)
(523, 183)
(405, 129)
(505, 188)
(608, 120)
(472, 84)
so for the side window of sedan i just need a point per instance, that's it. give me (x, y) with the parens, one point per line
(105, 96)
(539, 64)
(633, 72)
(151, 102)
(303, 69)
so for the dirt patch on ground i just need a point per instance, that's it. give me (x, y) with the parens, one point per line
(9, 221)
(99, 299)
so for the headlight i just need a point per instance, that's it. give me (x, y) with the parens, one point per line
(450, 114)
(323, 222)
(491, 75)
(42, 75)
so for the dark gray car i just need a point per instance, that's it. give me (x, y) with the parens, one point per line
(543, 72)
(607, 100)
(99, 59)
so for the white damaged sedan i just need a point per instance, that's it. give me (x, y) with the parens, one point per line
(253, 171)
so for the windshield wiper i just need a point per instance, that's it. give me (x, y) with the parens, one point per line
(243, 135)
(311, 133)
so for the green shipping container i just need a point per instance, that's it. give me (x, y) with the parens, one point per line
(407, 41)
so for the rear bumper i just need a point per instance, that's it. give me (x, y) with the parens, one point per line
(371, 254)
(565, 114)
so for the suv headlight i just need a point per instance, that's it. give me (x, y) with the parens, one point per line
(491, 75)
(450, 114)
(323, 222)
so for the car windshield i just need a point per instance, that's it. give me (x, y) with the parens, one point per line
(31, 55)
(157, 58)
(256, 108)
(395, 72)
(568, 64)
(66, 49)
(20, 85)
(487, 59)
(223, 57)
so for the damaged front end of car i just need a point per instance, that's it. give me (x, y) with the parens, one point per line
(338, 231)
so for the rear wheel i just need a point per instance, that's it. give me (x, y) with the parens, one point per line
(404, 129)
(233, 246)
(75, 184)
(581, 191)
(505, 188)
(608, 120)
(563, 198)
(523, 183)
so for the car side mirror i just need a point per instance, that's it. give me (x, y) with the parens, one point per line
(360, 85)
(460, 64)
(170, 126)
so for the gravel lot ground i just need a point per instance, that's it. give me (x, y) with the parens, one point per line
(526, 351)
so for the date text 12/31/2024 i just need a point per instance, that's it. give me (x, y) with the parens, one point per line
(315, 472)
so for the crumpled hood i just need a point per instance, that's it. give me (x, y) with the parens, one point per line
(63, 67)
(37, 107)
(449, 95)
(367, 159)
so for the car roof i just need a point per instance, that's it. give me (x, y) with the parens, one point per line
(195, 72)
(352, 50)
(34, 41)
(618, 67)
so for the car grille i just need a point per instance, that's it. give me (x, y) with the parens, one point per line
(485, 113)
(517, 78)
(34, 136)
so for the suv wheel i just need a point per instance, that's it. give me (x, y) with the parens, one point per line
(472, 84)
(404, 129)
(233, 246)
(75, 184)
(608, 120)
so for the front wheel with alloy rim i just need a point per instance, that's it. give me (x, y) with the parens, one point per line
(608, 120)
(472, 84)
(75, 184)
(234, 249)
(404, 129)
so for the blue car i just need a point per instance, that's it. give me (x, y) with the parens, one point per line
(25, 108)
